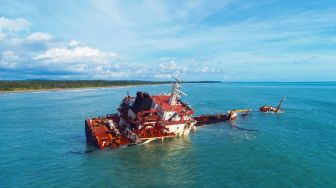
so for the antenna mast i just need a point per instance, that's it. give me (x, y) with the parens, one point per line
(176, 92)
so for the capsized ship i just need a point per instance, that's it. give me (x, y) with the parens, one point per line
(142, 119)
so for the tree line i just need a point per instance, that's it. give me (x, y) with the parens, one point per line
(12, 85)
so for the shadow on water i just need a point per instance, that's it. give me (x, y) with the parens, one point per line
(233, 124)
(244, 129)
(168, 142)
(158, 162)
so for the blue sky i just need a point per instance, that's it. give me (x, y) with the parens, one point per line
(227, 40)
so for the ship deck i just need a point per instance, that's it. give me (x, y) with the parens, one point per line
(98, 134)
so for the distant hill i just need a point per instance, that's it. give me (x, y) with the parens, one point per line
(22, 85)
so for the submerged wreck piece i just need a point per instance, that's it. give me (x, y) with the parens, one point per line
(142, 119)
(272, 109)
(210, 118)
(216, 118)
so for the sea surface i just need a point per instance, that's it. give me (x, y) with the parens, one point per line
(42, 140)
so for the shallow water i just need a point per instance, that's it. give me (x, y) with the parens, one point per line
(43, 140)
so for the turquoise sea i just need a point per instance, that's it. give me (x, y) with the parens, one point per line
(42, 140)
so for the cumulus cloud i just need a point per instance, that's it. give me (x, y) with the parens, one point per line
(169, 66)
(39, 36)
(15, 25)
(74, 43)
(163, 76)
(81, 61)
(9, 59)
(76, 54)
(11, 31)
(202, 70)
(38, 53)
(10, 55)
(2, 36)
(169, 69)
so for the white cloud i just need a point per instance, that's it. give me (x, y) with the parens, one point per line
(163, 76)
(202, 70)
(8, 64)
(76, 54)
(82, 60)
(2, 36)
(167, 70)
(9, 55)
(39, 36)
(74, 43)
(37, 52)
(9, 59)
(169, 66)
(15, 25)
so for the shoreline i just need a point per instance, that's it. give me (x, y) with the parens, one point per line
(74, 88)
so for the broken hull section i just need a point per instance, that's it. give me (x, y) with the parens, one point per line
(100, 135)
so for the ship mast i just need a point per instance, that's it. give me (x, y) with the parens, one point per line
(176, 92)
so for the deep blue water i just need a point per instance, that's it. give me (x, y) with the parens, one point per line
(43, 142)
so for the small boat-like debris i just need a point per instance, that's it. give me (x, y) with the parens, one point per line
(272, 109)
